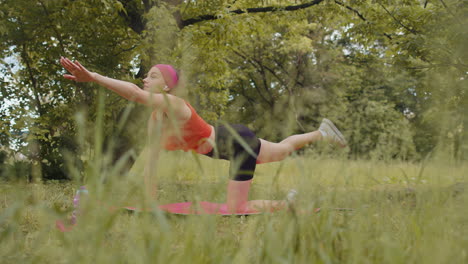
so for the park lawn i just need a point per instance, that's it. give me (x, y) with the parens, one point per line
(403, 213)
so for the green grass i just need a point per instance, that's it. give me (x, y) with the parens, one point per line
(404, 213)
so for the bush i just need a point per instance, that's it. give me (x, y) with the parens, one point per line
(17, 170)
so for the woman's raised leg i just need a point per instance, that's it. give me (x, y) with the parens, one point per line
(271, 152)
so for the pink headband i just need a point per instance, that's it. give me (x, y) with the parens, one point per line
(169, 74)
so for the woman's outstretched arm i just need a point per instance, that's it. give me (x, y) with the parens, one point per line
(127, 90)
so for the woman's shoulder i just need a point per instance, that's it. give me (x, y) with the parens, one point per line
(180, 107)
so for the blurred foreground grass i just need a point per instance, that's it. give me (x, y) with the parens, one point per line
(404, 213)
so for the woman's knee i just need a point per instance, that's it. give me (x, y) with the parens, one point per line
(271, 152)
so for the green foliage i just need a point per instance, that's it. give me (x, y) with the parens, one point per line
(37, 37)
(391, 75)
(386, 72)
(403, 213)
(425, 41)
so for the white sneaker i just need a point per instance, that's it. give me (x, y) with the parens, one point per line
(291, 196)
(331, 133)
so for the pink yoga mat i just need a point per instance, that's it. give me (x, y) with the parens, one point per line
(191, 208)
(204, 208)
(186, 208)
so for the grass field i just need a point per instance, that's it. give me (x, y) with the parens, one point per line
(403, 213)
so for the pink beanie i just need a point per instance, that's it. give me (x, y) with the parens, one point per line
(169, 74)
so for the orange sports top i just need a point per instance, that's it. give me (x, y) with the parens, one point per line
(193, 132)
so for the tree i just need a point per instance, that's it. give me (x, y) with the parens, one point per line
(245, 61)
(36, 38)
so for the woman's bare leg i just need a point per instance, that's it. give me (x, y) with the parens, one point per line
(271, 152)
(238, 199)
(266, 205)
(238, 191)
(237, 195)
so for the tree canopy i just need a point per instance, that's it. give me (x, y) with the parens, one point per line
(391, 74)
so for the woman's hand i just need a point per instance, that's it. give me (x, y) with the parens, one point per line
(78, 72)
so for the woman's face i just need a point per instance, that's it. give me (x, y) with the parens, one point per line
(154, 81)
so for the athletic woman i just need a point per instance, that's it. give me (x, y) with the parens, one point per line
(181, 128)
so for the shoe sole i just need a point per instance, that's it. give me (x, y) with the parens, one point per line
(343, 142)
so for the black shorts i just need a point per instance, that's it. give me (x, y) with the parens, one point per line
(239, 145)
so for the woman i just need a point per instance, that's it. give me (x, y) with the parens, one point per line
(186, 130)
